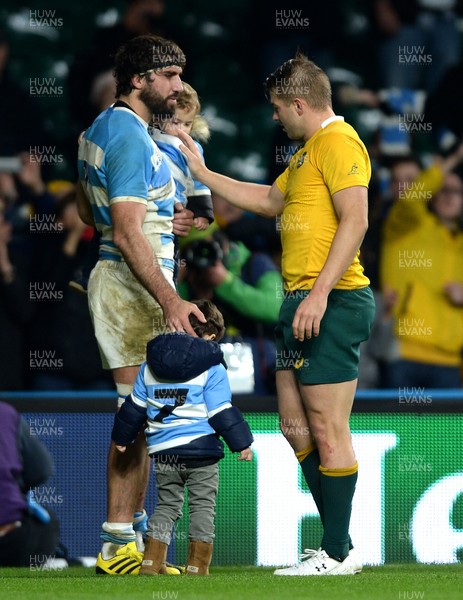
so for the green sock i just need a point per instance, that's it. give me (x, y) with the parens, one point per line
(337, 486)
(309, 460)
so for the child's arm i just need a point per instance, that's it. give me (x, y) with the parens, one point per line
(224, 418)
(201, 205)
(229, 424)
(127, 423)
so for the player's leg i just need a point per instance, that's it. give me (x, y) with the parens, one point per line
(327, 388)
(327, 378)
(327, 382)
(294, 425)
(328, 408)
(127, 478)
(293, 419)
(203, 485)
(128, 472)
(125, 317)
(121, 316)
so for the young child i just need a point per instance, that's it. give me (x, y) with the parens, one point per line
(182, 391)
(186, 117)
(188, 191)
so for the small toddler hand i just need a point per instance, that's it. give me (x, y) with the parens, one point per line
(245, 454)
(183, 220)
(201, 223)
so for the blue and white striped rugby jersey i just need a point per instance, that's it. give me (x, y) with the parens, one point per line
(119, 162)
(193, 402)
(186, 185)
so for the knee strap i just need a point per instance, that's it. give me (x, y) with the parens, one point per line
(123, 390)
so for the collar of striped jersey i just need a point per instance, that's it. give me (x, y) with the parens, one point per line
(121, 104)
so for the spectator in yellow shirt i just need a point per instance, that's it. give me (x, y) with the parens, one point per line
(422, 275)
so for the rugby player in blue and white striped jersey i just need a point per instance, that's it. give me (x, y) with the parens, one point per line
(131, 294)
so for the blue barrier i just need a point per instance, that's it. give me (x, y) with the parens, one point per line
(373, 394)
(77, 435)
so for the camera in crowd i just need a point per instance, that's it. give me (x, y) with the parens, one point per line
(202, 254)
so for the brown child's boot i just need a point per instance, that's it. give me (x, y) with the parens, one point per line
(154, 558)
(199, 558)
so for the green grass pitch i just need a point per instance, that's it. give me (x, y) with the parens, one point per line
(391, 582)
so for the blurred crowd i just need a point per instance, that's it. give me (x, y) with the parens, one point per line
(408, 107)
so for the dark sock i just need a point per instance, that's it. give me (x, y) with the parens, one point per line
(337, 486)
(309, 460)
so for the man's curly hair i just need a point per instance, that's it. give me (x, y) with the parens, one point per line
(143, 54)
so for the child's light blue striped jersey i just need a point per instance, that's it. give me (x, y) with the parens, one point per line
(186, 185)
(193, 403)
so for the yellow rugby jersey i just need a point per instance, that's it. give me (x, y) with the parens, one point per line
(333, 159)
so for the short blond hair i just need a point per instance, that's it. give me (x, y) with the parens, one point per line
(188, 99)
(300, 78)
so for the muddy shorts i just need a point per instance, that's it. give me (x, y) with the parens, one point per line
(124, 315)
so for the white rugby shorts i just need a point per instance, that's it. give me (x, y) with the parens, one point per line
(125, 316)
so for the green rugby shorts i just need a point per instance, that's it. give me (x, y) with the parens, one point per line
(332, 356)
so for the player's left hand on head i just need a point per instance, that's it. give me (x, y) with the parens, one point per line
(177, 316)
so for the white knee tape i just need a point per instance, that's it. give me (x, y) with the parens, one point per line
(123, 390)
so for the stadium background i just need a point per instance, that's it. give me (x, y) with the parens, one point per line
(224, 49)
(227, 45)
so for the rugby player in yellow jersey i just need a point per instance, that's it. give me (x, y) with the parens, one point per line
(328, 307)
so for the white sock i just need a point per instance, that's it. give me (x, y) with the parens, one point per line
(122, 531)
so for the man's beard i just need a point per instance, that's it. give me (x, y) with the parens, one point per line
(155, 103)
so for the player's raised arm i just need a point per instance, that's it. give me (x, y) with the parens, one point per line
(265, 200)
